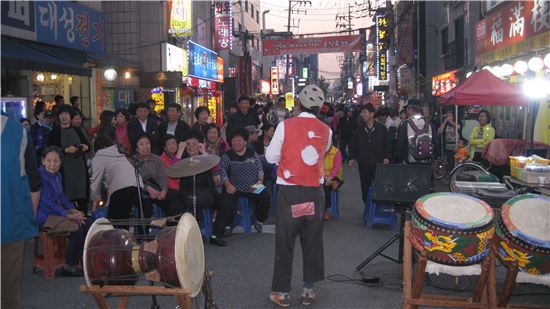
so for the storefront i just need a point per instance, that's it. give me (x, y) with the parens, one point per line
(42, 59)
(513, 42)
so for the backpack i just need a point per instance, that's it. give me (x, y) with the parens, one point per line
(420, 146)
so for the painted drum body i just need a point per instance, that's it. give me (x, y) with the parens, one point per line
(523, 234)
(452, 229)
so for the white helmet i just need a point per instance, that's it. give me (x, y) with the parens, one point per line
(311, 96)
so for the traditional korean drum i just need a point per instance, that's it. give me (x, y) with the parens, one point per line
(452, 229)
(523, 233)
(175, 258)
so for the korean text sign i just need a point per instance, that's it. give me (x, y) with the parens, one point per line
(180, 18)
(223, 36)
(203, 63)
(71, 25)
(382, 47)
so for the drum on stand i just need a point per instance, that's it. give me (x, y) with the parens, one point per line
(523, 234)
(174, 258)
(453, 229)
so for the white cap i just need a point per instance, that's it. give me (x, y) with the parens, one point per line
(311, 96)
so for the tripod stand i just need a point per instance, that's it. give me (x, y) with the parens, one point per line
(402, 211)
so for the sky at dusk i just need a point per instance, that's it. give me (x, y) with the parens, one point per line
(319, 17)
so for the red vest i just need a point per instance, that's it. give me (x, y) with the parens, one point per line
(303, 151)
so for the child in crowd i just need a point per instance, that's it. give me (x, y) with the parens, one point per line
(333, 176)
(461, 151)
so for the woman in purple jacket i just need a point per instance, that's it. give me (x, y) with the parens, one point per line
(56, 213)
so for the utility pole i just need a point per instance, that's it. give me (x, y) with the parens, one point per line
(290, 7)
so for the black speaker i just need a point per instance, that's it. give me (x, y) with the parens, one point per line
(401, 183)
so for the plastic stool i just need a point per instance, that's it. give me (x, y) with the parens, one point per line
(206, 229)
(334, 209)
(242, 217)
(381, 214)
(54, 249)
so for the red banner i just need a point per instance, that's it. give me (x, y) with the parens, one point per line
(512, 23)
(330, 44)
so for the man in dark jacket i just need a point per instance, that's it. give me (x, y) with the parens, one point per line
(244, 117)
(173, 125)
(369, 146)
(346, 130)
(143, 124)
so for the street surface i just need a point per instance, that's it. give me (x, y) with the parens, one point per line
(243, 270)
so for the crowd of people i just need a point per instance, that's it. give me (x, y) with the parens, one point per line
(132, 149)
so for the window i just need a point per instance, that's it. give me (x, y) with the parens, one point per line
(258, 17)
(459, 42)
(246, 6)
(253, 41)
(444, 40)
(252, 10)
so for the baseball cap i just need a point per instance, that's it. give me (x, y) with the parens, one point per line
(413, 102)
(48, 114)
(253, 129)
(311, 96)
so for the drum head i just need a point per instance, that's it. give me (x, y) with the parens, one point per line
(189, 254)
(454, 210)
(99, 225)
(527, 217)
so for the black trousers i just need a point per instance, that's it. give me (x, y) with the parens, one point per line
(367, 177)
(344, 146)
(228, 205)
(173, 204)
(310, 230)
(75, 245)
(122, 201)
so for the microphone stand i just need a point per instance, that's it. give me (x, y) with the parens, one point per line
(137, 164)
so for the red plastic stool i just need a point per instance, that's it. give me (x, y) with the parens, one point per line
(54, 249)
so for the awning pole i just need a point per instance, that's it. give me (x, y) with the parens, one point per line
(456, 126)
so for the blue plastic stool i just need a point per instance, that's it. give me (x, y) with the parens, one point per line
(381, 214)
(206, 229)
(242, 217)
(334, 209)
(274, 189)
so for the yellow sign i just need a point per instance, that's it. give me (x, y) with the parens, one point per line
(159, 101)
(533, 43)
(180, 18)
(212, 103)
(289, 96)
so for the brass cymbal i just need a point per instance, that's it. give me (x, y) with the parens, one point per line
(193, 166)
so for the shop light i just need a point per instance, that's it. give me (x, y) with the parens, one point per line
(535, 64)
(127, 75)
(488, 68)
(547, 60)
(536, 88)
(110, 74)
(497, 71)
(507, 69)
(468, 74)
(53, 76)
(520, 67)
(40, 77)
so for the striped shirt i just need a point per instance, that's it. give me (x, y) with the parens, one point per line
(242, 171)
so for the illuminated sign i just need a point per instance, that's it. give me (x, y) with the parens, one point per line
(304, 72)
(220, 69)
(180, 18)
(157, 95)
(382, 47)
(443, 83)
(289, 97)
(274, 80)
(223, 36)
(203, 63)
(265, 87)
(174, 59)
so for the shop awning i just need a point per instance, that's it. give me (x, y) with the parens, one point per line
(16, 55)
(484, 88)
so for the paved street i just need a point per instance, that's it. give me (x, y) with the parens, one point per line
(242, 271)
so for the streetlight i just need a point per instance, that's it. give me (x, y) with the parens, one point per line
(263, 21)
(535, 89)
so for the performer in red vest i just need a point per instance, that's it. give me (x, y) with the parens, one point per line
(298, 147)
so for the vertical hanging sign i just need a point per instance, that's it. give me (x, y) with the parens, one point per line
(179, 17)
(223, 35)
(382, 47)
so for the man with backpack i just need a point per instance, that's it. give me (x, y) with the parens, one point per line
(415, 138)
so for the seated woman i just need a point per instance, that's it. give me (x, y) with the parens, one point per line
(241, 169)
(151, 170)
(333, 176)
(57, 214)
(111, 169)
(174, 203)
(216, 145)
